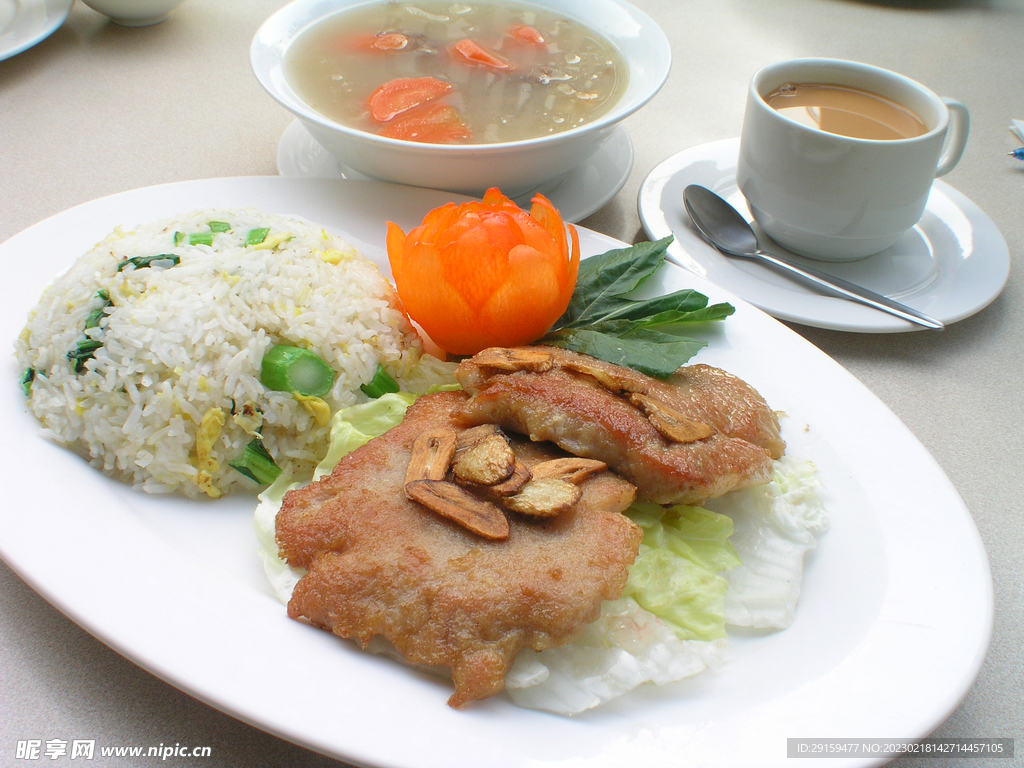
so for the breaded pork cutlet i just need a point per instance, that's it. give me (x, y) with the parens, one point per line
(381, 564)
(697, 435)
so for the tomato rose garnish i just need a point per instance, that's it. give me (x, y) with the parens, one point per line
(485, 274)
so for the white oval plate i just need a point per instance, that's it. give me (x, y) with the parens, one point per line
(953, 263)
(891, 630)
(576, 195)
(23, 23)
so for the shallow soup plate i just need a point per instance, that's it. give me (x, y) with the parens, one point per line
(516, 167)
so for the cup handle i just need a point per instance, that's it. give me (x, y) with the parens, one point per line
(956, 136)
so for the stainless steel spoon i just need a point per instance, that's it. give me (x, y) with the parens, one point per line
(723, 226)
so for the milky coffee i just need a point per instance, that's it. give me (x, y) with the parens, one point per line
(845, 111)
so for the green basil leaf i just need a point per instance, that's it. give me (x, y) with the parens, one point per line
(656, 354)
(602, 321)
(671, 317)
(682, 304)
(603, 279)
(686, 300)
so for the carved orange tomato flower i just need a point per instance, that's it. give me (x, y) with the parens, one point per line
(485, 274)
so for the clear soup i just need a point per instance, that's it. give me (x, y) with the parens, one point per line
(443, 72)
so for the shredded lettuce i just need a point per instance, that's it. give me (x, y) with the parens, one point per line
(775, 526)
(282, 577)
(625, 648)
(356, 425)
(676, 573)
(429, 374)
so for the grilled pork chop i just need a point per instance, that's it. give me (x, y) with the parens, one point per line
(381, 564)
(697, 435)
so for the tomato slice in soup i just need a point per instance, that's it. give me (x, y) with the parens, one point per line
(471, 52)
(381, 42)
(402, 94)
(430, 124)
(526, 34)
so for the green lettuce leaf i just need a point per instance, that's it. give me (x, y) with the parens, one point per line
(356, 425)
(676, 573)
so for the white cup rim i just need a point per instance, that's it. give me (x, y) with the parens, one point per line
(851, 67)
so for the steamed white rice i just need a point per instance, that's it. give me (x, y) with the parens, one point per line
(180, 341)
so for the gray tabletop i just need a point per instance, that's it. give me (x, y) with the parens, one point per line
(97, 109)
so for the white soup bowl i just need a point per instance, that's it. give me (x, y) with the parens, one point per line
(515, 167)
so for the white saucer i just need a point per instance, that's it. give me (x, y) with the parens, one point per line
(953, 263)
(576, 195)
(23, 23)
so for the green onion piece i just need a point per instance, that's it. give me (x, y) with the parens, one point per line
(84, 350)
(293, 369)
(140, 262)
(256, 464)
(200, 238)
(94, 317)
(179, 238)
(93, 320)
(26, 381)
(87, 345)
(381, 384)
(257, 236)
(219, 226)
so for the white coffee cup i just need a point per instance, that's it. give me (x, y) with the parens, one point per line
(837, 198)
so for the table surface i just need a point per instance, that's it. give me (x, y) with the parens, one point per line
(97, 109)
